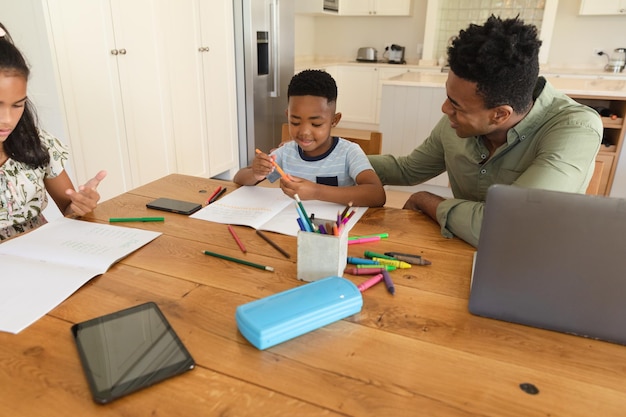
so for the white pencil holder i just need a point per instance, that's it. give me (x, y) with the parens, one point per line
(321, 256)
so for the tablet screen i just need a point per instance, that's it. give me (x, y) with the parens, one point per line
(131, 349)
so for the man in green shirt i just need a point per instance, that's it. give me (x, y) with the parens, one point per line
(503, 124)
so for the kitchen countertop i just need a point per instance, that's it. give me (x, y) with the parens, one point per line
(590, 85)
(579, 81)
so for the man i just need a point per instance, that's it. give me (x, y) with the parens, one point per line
(503, 124)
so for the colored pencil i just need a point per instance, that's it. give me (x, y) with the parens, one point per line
(273, 244)
(239, 243)
(239, 261)
(278, 168)
(217, 190)
(135, 219)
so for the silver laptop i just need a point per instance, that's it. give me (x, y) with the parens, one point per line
(553, 260)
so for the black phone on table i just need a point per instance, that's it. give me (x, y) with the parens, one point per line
(174, 206)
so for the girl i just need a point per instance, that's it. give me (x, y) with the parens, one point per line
(31, 160)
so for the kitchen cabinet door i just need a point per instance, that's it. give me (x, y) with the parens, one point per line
(202, 91)
(357, 89)
(384, 73)
(392, 7)
(604, 7)
(375, 7)
(107, 57)
(408, 114)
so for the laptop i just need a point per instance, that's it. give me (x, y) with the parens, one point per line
(552, 260)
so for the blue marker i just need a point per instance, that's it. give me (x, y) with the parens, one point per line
(361, 261)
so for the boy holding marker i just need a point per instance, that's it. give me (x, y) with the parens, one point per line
(316, 165)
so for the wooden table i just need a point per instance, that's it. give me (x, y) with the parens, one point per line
(416, 353)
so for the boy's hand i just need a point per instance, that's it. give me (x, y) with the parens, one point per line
(305, 189)
(262, 166)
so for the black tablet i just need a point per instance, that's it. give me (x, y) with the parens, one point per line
(128, 350)
(174, 206)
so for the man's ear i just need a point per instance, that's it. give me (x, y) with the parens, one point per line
(501, 114)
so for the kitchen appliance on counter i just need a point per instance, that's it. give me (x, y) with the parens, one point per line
(617, 61)
(367, 54)
(395, 54)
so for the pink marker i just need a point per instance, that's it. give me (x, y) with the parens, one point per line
(370, 282)
(364, 240)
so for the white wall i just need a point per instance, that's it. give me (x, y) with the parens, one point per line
(573, 39)
(25, 22)
(340, 37)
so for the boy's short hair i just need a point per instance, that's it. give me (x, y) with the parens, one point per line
(313, 83)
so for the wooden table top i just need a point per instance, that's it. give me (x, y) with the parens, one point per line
(419, 352)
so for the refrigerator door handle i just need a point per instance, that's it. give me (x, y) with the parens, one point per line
(274, 37)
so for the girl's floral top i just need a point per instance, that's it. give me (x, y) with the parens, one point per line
(22, 191)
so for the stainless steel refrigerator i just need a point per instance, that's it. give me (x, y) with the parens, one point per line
(264, 48)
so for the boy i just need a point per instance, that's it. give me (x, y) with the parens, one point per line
(318, 166)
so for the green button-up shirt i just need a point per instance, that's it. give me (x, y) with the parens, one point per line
(553, 147)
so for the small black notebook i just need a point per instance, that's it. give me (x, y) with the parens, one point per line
(128, 350)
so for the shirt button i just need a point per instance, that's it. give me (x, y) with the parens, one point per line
(483, 171)
(483, 156)
(523, 137)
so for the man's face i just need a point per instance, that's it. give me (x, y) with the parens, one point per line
(466, 109)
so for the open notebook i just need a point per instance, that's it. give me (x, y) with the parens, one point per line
(268, 208)
(553, 260)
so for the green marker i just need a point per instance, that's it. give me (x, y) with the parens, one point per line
(136, 219)
(369, 254)
(380, 235)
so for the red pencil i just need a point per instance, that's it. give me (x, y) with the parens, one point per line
(232, 232)
(217, 190)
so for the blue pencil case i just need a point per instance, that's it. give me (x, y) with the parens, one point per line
(272, 320)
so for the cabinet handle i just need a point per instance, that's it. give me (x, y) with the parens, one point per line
(114, 52)
(122, 51)
(203, 49)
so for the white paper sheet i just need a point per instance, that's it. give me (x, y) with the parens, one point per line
(42, 268)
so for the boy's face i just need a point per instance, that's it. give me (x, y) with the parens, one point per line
(310, 120)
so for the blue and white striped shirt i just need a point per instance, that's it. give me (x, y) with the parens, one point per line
(340, 166)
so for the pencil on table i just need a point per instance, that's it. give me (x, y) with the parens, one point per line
(239, 243)
(273, 244)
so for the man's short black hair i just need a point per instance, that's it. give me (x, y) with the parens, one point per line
(502, 58)
(313, 83)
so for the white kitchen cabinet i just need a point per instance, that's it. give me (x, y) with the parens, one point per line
(201, 86)
(603, 7)
(408, 114)
(147, 87)
(112, 88)
(384, 73)
(375, 7)
(357, 88)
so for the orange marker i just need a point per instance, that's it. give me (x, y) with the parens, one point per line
(279, 169)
